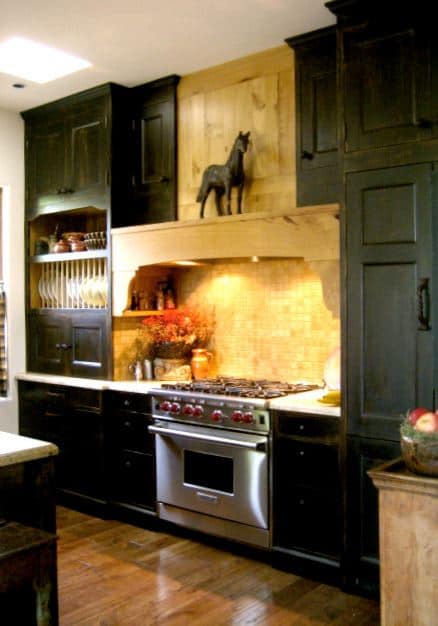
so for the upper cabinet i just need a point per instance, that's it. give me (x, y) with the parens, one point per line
(316, 104)
(388, 87)
(152, 189)
(73, 151)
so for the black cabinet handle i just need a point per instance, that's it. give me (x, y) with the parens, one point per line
(57, 346)
(66, 346)
(307, 155)
(423, 304)
(163, 179)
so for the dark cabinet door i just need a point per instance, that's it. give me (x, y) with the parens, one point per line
(45, 164)
(361, 560)
(152, 155)
(87, 169)
(318, 173)
(90, 340)
(389, 338)
(387, 88)
(48, 341)
(72, 343)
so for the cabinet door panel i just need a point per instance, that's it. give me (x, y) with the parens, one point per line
(134, 479)
(45, 165)
(88, 151)
(387, 89)
(362, 537)
(46, 334)
(318, 175)
(89, 344)
(389, 252)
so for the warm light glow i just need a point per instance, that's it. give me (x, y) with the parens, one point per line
(187, 263)
(254, 259)
(36, 62)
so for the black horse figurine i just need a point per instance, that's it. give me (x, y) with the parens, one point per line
(222, 178)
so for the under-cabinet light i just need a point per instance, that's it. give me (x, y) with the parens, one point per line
(37, 62)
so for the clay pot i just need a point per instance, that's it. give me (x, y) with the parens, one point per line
(61, 246)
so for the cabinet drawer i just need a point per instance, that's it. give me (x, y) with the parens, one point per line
(301, 463)
(309, 520)
(131, 432)
(137, 402)
(134, 479)
(306, 425)
(86, 399)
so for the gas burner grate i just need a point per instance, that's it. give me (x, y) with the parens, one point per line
(241, 387)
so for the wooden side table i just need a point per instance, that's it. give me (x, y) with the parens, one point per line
(408, 529)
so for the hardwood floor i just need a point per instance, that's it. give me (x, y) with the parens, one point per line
(114, 574)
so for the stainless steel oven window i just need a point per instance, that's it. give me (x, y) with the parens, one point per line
(209, 471)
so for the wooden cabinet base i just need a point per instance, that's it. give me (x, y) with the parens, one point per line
(408, 522)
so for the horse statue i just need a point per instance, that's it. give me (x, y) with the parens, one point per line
(222, 178)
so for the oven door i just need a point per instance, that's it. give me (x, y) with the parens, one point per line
(215, 472)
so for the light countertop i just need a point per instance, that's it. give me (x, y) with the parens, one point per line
(17, 449)
(306, 402)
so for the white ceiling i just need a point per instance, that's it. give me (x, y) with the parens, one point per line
(134, 41)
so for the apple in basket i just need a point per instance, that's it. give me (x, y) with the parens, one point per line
(427, 423)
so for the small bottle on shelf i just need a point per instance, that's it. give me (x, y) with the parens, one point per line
(159, 300)
(169, 298)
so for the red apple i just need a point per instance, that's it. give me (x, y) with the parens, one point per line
(415, 414)
(427, 423)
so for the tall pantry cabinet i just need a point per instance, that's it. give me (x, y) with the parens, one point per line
(74, 175)
(388, 127)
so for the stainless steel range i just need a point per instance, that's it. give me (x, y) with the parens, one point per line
(213, 441)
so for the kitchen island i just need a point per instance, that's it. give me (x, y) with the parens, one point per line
(28, 570)
(27, 492)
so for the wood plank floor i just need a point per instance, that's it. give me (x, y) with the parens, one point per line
(114, 574)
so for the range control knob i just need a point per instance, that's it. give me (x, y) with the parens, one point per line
(175, 408)
(237, 416)
(188, 409)
(247, 418)
(198, 411)
(164, 406)
(216, 415)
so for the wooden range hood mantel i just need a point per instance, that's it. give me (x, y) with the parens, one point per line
(309, 232)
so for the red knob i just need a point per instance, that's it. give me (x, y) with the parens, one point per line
(188, 409)
(216, 415)
(198, 410)
(237, 416)
(247, 418)
(175, 408)
(164, 406)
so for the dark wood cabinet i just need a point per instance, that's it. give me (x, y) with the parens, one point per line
(70, 343)
(69, 147)
(130, 453)
(152, 155)
(71, 418)
(361, 560)
(387, 85)
(316, 96)
(306, 483)
(389, 334)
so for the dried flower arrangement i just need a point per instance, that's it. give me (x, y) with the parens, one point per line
(174, 333)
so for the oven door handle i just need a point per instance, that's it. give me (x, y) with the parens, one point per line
(229, 441)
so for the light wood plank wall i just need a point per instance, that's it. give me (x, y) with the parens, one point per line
(256, 94)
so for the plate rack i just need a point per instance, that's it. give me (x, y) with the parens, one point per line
(75, 284)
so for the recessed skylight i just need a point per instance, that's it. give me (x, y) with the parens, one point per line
(36, 62)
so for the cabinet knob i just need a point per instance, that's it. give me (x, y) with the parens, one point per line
(301, 452)
(127, 464)
(301, 426)
(307, 155)
(126, 403)
(66, 346)
(127, 424)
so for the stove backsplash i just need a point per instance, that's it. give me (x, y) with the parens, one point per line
(275, 319)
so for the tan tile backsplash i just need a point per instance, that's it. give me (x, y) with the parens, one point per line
(271, 318)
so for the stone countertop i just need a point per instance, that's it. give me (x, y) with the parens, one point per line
(306, 402)
(17, 449)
